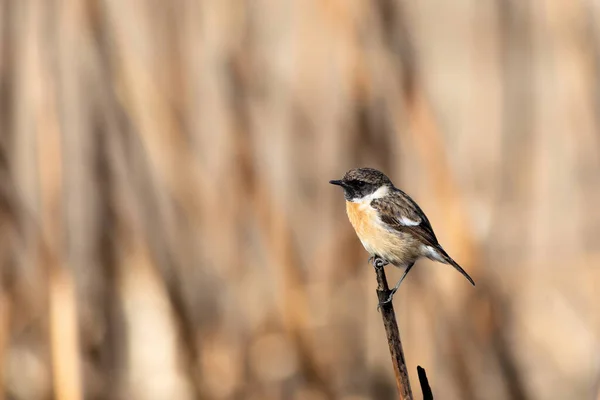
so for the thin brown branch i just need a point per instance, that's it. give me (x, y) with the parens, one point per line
(393, 335)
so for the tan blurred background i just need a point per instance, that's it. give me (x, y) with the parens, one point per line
(167, 230)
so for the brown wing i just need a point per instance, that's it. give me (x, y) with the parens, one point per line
(401, 213)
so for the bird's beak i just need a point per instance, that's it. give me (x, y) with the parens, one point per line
(337, 182)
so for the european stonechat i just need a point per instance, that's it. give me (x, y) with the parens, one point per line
(389, 224)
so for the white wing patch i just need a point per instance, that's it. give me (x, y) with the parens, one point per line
(408, 222)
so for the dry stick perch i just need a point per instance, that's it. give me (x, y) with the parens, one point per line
(393, 334)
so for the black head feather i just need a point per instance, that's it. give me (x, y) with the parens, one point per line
(360, 182)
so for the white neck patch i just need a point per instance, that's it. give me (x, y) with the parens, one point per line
(379, 193)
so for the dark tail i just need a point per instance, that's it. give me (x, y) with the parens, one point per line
(449, 260)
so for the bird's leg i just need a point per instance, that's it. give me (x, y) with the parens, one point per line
(395, 289)
(378, 262)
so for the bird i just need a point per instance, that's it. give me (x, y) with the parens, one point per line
(389, 223)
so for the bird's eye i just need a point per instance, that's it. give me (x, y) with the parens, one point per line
(361, 184)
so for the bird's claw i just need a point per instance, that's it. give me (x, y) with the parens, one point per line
(388, 300)
(378, 262)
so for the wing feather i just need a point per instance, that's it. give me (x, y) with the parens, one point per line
(399, 212)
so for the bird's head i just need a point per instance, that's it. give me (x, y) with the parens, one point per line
(361, 184)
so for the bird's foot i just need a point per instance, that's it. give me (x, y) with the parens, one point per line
(378, 262)
(388, 300)
(395, 288)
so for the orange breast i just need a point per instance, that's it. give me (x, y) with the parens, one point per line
(366, 223)
(362, 218)
(394, 246)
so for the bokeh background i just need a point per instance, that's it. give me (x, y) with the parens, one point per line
(167, 230)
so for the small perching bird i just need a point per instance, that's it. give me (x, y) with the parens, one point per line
(390, 225)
